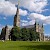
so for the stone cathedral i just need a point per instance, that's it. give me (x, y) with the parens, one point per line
(38, 28)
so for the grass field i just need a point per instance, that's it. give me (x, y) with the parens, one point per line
(24, 45)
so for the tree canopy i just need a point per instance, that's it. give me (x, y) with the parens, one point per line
(24, 34)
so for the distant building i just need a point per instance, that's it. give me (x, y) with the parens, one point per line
(47, 38)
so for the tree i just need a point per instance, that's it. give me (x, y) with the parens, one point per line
(33, 35)
(15, 33)
(3, 34)
(37, 36)
(25, 34)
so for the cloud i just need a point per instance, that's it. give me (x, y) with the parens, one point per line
(10, 26)
(7, 8)
(23, 12)
(4, 18)
(37, 16)
(32, 22)
(26, 23)
(40, 17)
(2, 0)
(32, 5)
(47, 21)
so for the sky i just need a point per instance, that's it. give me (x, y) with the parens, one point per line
(29, 10)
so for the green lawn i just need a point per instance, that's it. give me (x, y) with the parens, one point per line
(24, 45)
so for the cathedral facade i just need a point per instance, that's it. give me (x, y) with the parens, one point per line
(38, 28)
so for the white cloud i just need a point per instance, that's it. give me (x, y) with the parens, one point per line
(37, 16)
(2, 0)
(7, 8)
(4, 18)
(23, 12)
(32, 22)
(47, 21)
(10, 26)
(40, 17)
(32, 5)
(44, 24)
(26, 23)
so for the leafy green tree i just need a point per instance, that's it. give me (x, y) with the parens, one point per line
(3, 34)
(15, 33)
(37, 36)
(25, 34)
(33, 35)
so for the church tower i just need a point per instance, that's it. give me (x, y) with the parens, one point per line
(36, 26)
(43, 38)
(17, 17)
(41, 33)
(7, 33)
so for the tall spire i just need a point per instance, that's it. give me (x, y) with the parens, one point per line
(17, 12)
(36, 25)
(17, 17)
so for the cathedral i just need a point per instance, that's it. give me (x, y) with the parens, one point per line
(38, 28)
